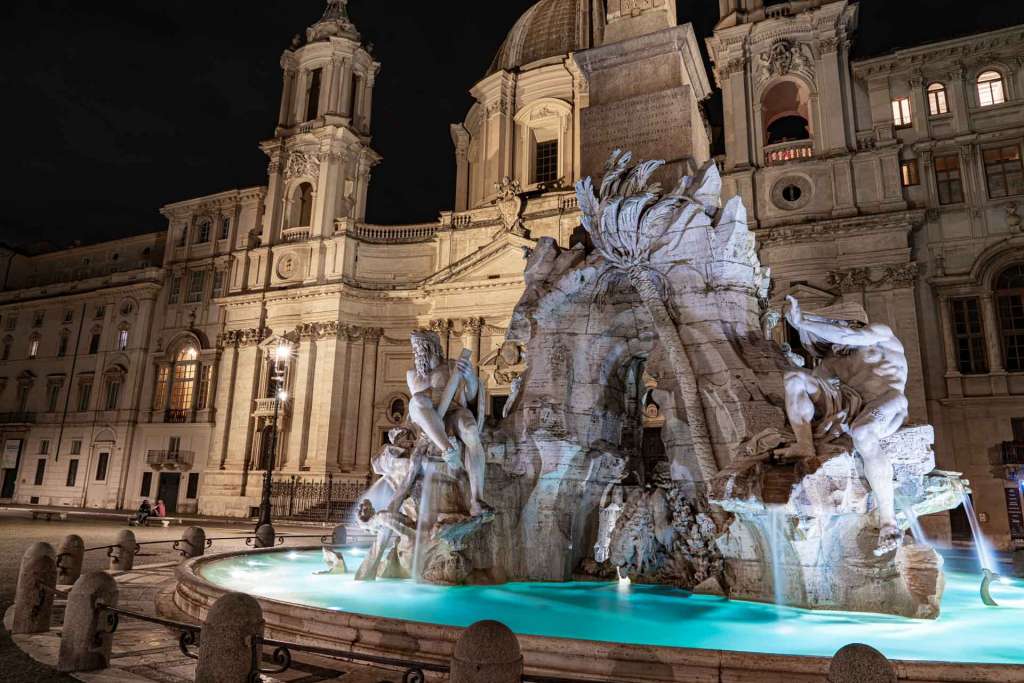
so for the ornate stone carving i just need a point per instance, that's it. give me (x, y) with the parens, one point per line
(510, 206)
(852, 280)
(785, 57)
(474, 325)
(441, 325)
(247, 337)
(860, 279)
(302, 165)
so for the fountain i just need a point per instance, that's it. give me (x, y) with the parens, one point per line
(776, 484)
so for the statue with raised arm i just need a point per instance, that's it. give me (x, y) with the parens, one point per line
(439, 415)
(857, 386)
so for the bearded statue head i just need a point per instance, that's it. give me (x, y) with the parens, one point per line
(426, 346)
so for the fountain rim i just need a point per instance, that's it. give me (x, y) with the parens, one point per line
(194, 595)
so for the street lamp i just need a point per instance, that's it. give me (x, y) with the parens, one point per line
(282, 354)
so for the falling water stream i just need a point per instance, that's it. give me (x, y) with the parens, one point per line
(776, 539)
(985, 558)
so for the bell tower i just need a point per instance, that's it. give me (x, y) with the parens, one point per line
(320, 156)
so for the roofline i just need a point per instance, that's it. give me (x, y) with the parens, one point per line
(925, 48)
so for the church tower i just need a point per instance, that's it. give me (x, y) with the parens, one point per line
(320, 156)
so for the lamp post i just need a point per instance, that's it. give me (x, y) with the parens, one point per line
(281, 355)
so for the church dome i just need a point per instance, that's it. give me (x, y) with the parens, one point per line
(551, 28)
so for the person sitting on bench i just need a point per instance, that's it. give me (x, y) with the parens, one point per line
(144, 512)
(160, 510)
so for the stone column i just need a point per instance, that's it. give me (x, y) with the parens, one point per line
(460, 137)
(957, 99)
(69, 559)
(351, 380)
(367, 397)
(443, 329)
(993, 344)
(326, 87)
(323, 431)
(471, 328)
(287, 92)
(32, 603)
(302, 393)
(86, 640)
(225, 646)
(225, 396)
(952, 369)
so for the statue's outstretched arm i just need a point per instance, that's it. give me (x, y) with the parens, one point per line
(847, 336)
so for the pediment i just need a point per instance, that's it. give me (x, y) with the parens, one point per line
(810, 297)
(501, 257)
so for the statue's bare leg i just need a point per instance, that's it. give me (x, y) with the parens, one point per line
(801, 389)
(475, 461)
(880, 419)
(424, 415)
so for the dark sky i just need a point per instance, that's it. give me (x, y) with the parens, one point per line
(114, 108)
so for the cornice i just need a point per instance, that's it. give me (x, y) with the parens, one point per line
(840, 227)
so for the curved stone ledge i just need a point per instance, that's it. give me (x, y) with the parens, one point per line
(546, 656)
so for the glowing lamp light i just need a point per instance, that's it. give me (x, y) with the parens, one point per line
(282, 352)
(282, 395)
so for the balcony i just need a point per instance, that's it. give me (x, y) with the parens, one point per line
(177, 416)
(1013, 452)
(170, 460)
(264, 407)
(296, 234)
(785, 152)
(17, 418)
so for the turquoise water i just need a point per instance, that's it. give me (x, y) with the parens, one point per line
(967, 631)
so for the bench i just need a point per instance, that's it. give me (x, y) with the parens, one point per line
(50, 515)
(164, 521)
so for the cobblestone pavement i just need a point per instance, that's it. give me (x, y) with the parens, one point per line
(142, 651)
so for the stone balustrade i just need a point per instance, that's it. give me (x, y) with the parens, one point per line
(394, 234)
(784, 152)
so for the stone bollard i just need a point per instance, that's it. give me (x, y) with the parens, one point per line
(340, 535)
(487, 652)
(33, 604)
(69, 559)
(86, 638)
(122, 555)
(225, 644)
(266, 537)
(859, 663)
(193, 542)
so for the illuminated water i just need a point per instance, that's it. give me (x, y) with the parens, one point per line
(967, 631)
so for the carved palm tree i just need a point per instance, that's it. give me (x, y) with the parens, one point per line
(628, 222)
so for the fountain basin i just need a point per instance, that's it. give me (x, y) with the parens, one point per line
(601, 630)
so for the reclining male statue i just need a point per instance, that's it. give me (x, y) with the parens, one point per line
(857, 387)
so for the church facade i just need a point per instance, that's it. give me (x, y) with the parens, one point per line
(145, 367)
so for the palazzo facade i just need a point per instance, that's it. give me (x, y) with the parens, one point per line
(143, 367)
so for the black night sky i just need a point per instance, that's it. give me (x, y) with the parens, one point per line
(114, 108)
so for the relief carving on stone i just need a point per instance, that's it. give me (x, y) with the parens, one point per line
(302, 165)
(510, 206)
(860, 279)
(784, 57)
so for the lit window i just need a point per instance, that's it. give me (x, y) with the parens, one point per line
(545, 165)
(947, 179)
(1010, 296)
(160, 393)
(937, 99)
(122, 340)
(990, 89)
(969, 337)
(205, 381)
(901, 112)
(909, 173)
(33, 348)
(1003, 171)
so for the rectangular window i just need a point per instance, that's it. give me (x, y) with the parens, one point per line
(101, 312)
(909, 173)
(225, 228)
(947, 179)
(52, 397)
(69, 316)
(72, 472)
(160, 392)
(40, 472)
(192, 492)
(203, 232)
(1017, 425)
(113, 392)
(353, 96)
(196, 280)
(1011, 325)
(174, 290)
(37, 319)
(969, 337)
(545, 166)
(62, 345)
(218, 283)
(76, 447)
(44, 447)
(12, 322)
(174, 444)
(33, 348)
(22, 397)
(1003, 171)
(84, 394)
(101, 467)
(122, 340)
(147, 484)
(181, 390)
(901, 112)
(937, 104)
(313, 103)
(205, 379)
(94, 344)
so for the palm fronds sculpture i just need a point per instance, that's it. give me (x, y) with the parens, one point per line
(628, 222)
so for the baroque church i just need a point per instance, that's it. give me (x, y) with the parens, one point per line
(146, 367)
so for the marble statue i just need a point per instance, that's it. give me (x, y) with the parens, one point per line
(857, 387)
(335, 562)
(435, 413)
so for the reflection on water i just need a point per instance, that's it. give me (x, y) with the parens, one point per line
(967, 631)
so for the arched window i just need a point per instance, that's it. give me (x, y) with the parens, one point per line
(785, 111)
(937, 103)
(990, 89)
(1009, 291)
(302, 209)
(175, 387)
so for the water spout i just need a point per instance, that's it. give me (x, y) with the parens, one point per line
(776, 539)
(985, 557)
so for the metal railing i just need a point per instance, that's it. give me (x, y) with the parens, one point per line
(177, 416)
(1013, 452)
(282, 659)
(325, 501)
(785, 152)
